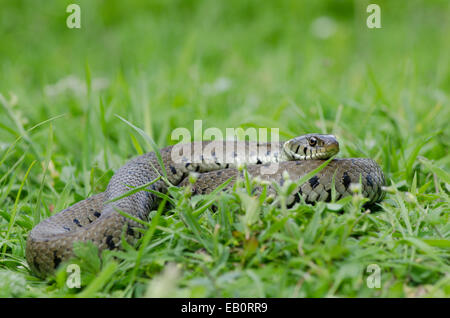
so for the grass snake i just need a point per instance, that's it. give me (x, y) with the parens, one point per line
(96, 219)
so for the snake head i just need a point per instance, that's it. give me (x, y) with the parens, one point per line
(311, 146)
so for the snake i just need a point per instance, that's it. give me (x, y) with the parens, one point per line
(203, 166)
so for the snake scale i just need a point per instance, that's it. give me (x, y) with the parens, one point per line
(96, 219)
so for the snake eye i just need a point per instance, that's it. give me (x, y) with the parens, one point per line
(312, 141)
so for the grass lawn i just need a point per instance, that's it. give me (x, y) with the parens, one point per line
(300, 66)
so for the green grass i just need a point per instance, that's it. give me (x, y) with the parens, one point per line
(384, 93)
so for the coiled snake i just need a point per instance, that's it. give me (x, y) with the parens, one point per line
(51, 241)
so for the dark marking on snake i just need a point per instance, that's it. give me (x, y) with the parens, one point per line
(346, 180)
(77, 222)
(56, 259)
(307, 200)
(110, 242)
(130, 230)
(314, 182)
(172, 168)
(295, 200)
(369, 180)
(329, 195)
(97, 214)
(258, 161)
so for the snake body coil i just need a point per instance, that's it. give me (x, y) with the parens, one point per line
(94, 219)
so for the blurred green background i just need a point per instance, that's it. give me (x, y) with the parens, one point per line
(228, 63)
(300, 66)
